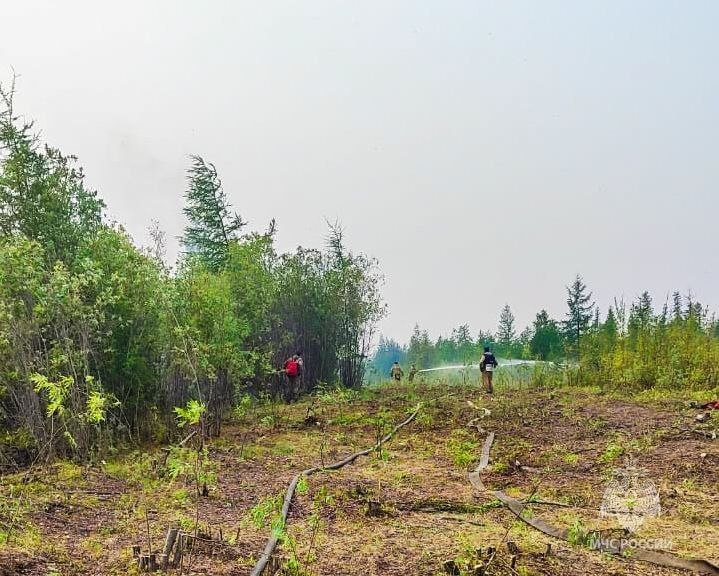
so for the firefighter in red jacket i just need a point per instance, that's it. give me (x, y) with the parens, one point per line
(293, 370)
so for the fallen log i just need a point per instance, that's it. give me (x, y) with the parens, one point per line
(517, 507)
(273, 540)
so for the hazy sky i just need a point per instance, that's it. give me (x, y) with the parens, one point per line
(483, 152)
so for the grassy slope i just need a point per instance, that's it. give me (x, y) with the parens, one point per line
(72, 520)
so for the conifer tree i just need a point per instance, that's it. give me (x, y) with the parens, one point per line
(641, 315)
(676, 307)
(463, 340)
(506, 332)
(610, 325)
(211, 228)
(579, 313)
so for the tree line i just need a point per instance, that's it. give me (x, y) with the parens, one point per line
(632, 345)
(101, 342)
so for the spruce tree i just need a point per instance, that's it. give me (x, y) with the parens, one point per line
(641, 315)
(610, 325)
(580, 312)
(506, 332)
(676, 307)
(462, 338)
(211, 228)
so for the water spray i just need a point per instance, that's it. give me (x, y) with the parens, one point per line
(502, 362)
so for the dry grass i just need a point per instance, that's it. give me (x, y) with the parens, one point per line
(70, 520)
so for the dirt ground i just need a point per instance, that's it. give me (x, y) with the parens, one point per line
(560, 446)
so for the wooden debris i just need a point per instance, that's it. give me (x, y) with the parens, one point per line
(274, 565)
(143, 562)
(177, 555)
(147, 562)
(311, 420)
(188, 438)
(273, 540)
(162, 561)
(374, 508)
(450, 567)
(169, 544)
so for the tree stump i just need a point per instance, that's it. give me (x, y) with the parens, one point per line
(179, 547)
(162, 561)
(143, 562)
(170, 539)
(274, 565)
(451, 568)
(374, 508)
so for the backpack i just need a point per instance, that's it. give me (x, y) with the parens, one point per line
(488, 362)
(292, 368)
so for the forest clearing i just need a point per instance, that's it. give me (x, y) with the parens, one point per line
(407, 508)
(153, 416)
(359, 288)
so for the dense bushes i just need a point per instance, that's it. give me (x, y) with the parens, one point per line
(74, 342)
(100, 341)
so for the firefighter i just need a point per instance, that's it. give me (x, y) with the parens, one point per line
(396, 372)
(487, 366)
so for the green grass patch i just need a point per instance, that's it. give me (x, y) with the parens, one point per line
(283, 447)
(462, 448)
(612, 452)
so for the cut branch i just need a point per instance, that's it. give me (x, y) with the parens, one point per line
(273, 540)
